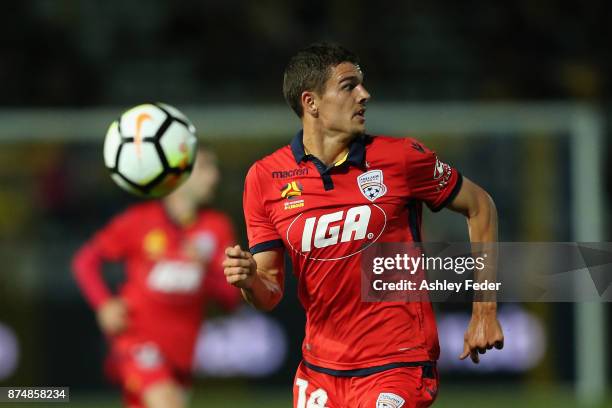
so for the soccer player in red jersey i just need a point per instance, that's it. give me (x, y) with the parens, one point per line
(172, 251)
(324, 198)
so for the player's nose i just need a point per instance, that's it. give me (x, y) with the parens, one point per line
(364, 95)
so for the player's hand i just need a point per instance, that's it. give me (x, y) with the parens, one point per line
(483, 333)
(113, 316)
(239, 267)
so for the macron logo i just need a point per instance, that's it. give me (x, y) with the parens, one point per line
(289, 173)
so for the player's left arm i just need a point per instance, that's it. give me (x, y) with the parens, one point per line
(484, 331)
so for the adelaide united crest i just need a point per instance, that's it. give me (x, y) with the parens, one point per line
(371, 184)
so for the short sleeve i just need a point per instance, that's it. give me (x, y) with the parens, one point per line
(430, 179)
(261, 232)
(114, 241)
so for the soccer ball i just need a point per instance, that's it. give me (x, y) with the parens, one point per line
(150, 149)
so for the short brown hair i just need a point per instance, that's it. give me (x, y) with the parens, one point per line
(309, 69)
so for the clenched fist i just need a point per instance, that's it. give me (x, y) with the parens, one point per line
(239, 267)
(483, 333)
(113, 316)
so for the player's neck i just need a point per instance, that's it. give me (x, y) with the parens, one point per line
(181, 210)
(327, 146)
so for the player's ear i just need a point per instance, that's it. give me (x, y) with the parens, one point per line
(309, 103)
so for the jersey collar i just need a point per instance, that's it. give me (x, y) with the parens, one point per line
(356, 154)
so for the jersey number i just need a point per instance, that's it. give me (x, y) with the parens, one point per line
(318, 398)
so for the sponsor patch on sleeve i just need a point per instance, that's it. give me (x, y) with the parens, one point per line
(389, 400)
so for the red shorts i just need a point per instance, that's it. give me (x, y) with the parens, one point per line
(405, 387)
(137, 366)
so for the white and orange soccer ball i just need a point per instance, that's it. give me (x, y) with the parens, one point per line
(150, 149)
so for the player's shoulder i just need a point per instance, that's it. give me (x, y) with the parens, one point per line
(394, 148)
(148, 206)
(215, 216)
(386, 141)
(280, 160)
(133, 216)
(144, 209)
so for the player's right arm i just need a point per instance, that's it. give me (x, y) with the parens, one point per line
(111, 243)
(259, 276)
(111, 311)
(258, 272)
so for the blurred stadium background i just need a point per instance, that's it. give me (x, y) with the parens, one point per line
(508, 93)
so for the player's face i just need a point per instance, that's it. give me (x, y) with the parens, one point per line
(342, 105)
(200, 186)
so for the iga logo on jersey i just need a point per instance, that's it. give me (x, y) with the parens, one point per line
(337, 232)
(175, 277)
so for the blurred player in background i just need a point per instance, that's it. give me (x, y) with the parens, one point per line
(324, 197)
(172, 250)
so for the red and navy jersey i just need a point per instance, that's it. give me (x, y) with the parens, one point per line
(325, 217)
(170, 273)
